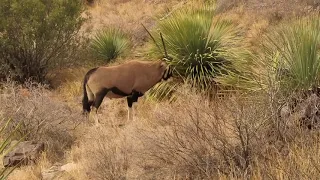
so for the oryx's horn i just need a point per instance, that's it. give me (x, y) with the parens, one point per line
(152, 37)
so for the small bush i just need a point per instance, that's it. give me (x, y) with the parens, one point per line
(110, 44)
(37, 35)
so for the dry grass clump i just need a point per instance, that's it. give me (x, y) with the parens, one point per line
(43, 118)
(107, 155)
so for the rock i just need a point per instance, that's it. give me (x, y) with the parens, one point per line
(68, 167)
(310, 112)
(24, 153)
(53, 172)
(57, 171)
(285, 111)
(307, 112)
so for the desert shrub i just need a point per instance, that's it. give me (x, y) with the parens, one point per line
(237, 138)
(199, 142)
(37, 35)
(109, 44)
(38, 116)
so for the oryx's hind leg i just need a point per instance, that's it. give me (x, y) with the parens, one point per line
(97, 102)
(87, 100)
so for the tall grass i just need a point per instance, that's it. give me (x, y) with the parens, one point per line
(287, 61)
(109, 44)
(293, 54)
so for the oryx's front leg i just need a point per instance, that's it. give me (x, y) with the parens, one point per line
(131, 99)
(130, 102)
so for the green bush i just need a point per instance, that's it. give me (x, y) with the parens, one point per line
(201, 47)
(109, 44)
(37, 35)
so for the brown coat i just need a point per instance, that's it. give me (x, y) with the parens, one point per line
(133, 75)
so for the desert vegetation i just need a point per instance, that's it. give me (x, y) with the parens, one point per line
(243, 102)
(109, 44)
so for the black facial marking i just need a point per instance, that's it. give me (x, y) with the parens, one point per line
(167, 74)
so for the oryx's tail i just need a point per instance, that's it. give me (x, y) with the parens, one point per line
(86, 103)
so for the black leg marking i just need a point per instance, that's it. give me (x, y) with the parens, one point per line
(99, 97)
(129, 101)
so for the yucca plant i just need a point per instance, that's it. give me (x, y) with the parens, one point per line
(109, 44)
(293, 54)
(201, 47)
